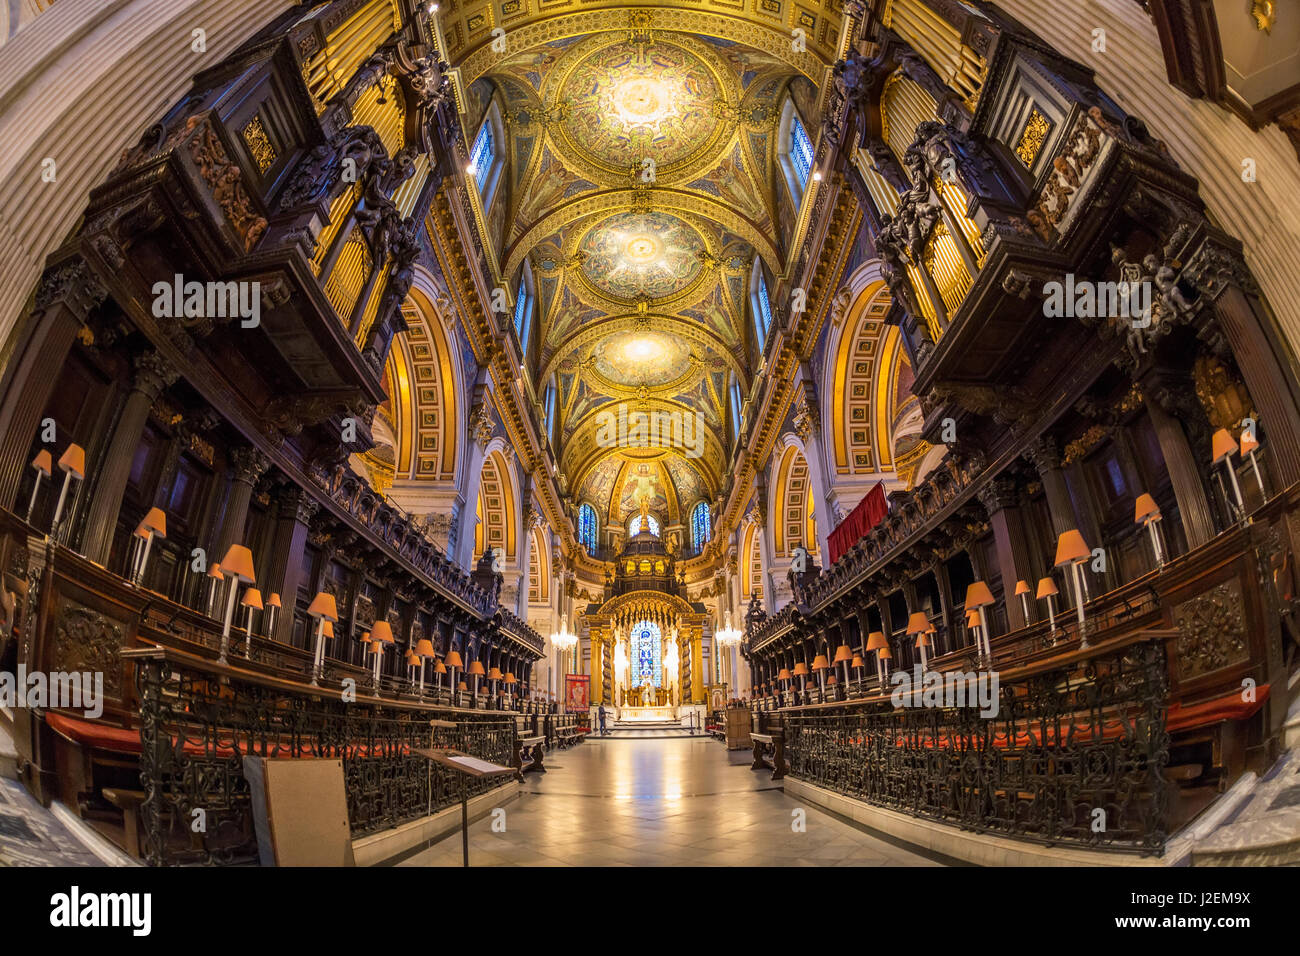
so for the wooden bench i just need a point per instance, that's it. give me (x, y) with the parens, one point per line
(568, 736)
(764, 742)
(528, 755)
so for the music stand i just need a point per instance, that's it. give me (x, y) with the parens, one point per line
(467, 766)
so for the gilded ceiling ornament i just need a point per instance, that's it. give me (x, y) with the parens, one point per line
(1265, 14)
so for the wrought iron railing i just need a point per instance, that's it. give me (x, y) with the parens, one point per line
(197, 723)
(1073, 756)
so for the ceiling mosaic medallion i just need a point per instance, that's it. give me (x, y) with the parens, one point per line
(629, 102)
(641, 357)
(634, 254)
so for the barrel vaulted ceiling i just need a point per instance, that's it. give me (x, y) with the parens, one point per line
(641, 281)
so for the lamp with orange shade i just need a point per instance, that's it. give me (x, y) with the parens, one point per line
(154, 523)
(1147, 512)
(424, 647)
(1047, 589)
(253, 601)
(453, 661)
(324, 609)
(215, 580)
(494, 675)
(1249, 442)
(476, 669)
(510, 681)
(273, 609)
(801, 671)
(1222, 447)
(978, 597)
(43, 463)
(784, 675)
(919, 623)
(1023, 589)
(382, 634)
(412, 662)
(819, 666)
(876, 641)
(842, 656)
(237, 565)
(73, 465)
(1071, 550)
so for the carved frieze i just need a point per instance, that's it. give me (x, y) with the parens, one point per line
(1213, 626)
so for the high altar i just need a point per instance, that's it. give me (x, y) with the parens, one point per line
(646, 640)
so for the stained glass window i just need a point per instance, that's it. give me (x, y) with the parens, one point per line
(801, 150)
(646, 658)
(482, 155)
(700, 531)
(635, 527)
(763, 316)
(587, 528)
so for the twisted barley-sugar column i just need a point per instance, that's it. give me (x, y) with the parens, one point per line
(78, 84)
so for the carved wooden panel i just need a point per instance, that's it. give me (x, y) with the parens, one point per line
(1213, 626)
(87, 640)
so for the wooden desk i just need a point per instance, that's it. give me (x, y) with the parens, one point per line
(468, 766)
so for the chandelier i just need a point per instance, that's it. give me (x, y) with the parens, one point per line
(562, 638)
(728, 636)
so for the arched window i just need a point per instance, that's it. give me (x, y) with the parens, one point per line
(761, 305)
(487, 157)
(549, 406)
(634, 525)
(645, 662)
(796, 152)
(735, 407)
(587, 527)
(524, 307)
(701, 527)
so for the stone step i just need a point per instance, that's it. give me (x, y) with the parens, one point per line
(1266, 830)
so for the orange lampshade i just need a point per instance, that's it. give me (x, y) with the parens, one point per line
(214, 570)
(365, 637)
(1022, 587)
(252, 598)
(141, 531)
(328, 629)
(842, 653)
(238, 564)
(923, 639)
(43, 462)
(462, 686)
(323, 606)
(800, 670)
(1070, 547)
(1249, 442)
(412, 660)
(831, 680)
(885, 653)
(424, 647)
(978, 595)
(784, 675)
(876, 640)
(857, 661)
(453, 659)
(973, 619)
(273, 600)
(495, 674)
(382, 631)
(475, 668)
(917, 622)
(156, 522)
(440, 668)
(820, 663)
(376, 647)
(511, 678)
(1146, 509)
(1046, 588)
(74, 460)
(1222, 445)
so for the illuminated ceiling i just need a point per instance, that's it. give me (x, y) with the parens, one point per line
(641, 184)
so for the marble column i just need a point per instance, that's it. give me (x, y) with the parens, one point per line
(151, 376)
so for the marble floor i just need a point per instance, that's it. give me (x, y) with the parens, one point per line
(31, 835)
(665, 802)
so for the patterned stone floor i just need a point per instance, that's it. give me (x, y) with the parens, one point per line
(31, 836)
(661, 802)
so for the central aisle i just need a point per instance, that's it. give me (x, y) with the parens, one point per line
(660, 802)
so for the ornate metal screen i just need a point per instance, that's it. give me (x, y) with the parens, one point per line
(195, 731)
(1073, 756)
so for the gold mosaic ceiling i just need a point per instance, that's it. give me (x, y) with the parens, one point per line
(641, 184)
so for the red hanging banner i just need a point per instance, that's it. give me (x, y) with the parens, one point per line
(869, 513)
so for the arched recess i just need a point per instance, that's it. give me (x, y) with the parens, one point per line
(751, 562)
(861, 363)
(539, 569)
(791, 511)
(424, 372)
(495, 508)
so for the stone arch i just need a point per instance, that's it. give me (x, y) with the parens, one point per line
(792, 500)
(496, 508)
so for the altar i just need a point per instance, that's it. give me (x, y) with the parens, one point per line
(648, 715)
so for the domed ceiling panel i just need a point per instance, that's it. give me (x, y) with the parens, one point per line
(628, 102)
(642, 255)
(649, 358)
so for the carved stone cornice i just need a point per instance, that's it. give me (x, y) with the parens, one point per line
(75, 285)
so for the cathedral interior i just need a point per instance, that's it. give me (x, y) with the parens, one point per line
(886, 410)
